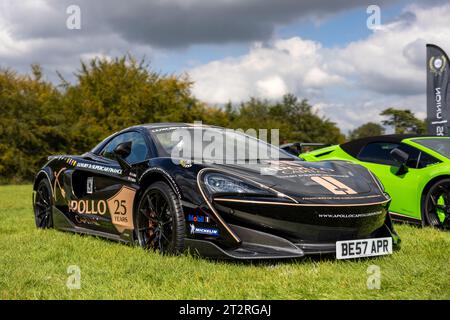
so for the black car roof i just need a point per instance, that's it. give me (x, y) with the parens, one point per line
(354, 147)
(147, 126)
(171, 124)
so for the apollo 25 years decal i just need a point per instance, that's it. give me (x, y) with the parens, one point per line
(119, 206)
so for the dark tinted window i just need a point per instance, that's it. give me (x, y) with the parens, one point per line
(181, 142)
(138, 147)
(426, 160)
(380, 152)
(440, 145)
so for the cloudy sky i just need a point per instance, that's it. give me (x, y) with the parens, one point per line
(233, 49)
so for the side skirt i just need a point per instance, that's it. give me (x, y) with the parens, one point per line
(398, 217)
(60, 222)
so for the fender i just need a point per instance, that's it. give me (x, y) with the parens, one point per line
(168, 177)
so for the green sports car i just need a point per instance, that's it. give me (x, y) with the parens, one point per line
(415, 171)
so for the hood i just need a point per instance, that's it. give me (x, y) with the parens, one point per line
(311, 181)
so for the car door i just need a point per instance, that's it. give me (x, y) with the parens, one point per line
(401, 187)
(106, 191)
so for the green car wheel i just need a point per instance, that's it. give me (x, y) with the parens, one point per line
(436, 205)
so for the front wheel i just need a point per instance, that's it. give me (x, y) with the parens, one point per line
(159, 220)
(436, 205)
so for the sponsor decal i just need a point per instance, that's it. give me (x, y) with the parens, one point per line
(97, 167)
(437, 64)
(68, 160)
(86, 220)
(58, 184)
(333, 185)
(198, 218)
(119, 206)
(121, 209)
(350, 215)
(207, 231)
(171, 128)
(132, 177)
(186, 163)
(90, 185)
(88, 206)
(290, 170)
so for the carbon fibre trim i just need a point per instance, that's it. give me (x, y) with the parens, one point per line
(404, 218)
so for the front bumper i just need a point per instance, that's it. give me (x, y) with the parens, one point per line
(258, 245)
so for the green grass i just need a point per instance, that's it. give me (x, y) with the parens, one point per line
(33, 265)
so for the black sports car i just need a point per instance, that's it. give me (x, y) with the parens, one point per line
(133, 188)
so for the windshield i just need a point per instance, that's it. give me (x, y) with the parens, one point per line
(440, 145)
(213, 144)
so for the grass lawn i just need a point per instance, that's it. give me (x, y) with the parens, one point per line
(34, 263)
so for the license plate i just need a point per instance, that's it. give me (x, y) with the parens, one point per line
(363, 248)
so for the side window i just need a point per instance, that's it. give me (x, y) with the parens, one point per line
(138, 147)
(417, 158)
(414, 155)
(378, 152)
(426, 160)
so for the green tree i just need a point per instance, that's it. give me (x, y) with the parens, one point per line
(403, 121)
(369, 129)
(113, 94)
(295, 119)
(31, 126)
(40, 119)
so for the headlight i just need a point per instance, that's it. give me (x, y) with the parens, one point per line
(220, 183)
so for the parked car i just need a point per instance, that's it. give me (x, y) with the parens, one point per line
(415, 170)
(131, 188)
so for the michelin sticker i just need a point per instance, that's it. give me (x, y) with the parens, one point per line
(206, 231)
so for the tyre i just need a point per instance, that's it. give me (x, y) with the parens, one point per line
(436, 205)
(159, 220)
(43, 203)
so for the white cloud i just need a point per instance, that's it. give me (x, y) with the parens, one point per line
(272, 87)
(350, 84)
(286, 66)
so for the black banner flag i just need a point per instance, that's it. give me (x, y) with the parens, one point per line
(438, 99)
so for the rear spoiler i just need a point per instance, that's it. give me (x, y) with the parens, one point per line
(297, 148)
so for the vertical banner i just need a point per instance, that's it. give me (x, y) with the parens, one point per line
(438, 99)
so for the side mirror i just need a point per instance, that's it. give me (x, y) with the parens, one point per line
(292, 148)
(401, 157)
(122, 151)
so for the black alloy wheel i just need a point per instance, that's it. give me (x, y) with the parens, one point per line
(159, 220)
(43, 205)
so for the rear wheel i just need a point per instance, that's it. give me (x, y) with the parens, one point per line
(159, 220)
(43, 205)
(436, 207)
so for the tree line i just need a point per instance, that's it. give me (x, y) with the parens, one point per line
(41, 118)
